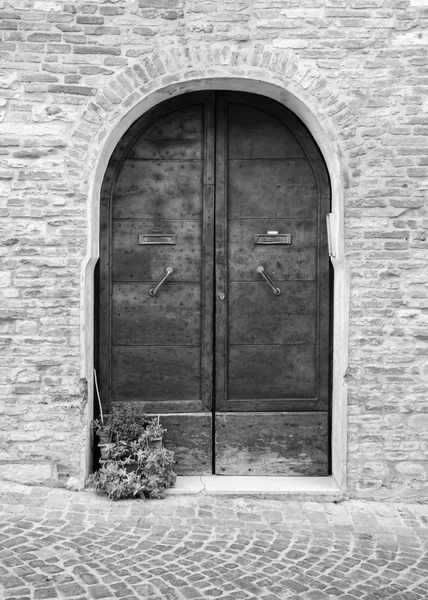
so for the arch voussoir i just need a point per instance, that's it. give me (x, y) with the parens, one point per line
(146, 73)
(176, 64)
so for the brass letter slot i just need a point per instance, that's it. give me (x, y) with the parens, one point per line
(272, 238)
(157, 238)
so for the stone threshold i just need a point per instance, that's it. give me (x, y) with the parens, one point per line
(322, 487)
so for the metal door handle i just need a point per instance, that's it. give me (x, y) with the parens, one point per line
(266, 277)
(168, 271)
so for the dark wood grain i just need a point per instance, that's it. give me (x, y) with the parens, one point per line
(259, 372)
(159, 189)
(178, 134)
(287, 444)
(256, 316)
(155, 373)
(190, 437)
(272, 188)
(284, 117)
(167, 150)
(135, 262)
(208, 253)
(298, 260)
(185, 122)
(325, 293)
(256, 133)
(103, 368)
(221, 262)
(214, 170)
(172, 317)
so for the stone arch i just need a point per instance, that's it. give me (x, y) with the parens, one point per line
(277, 74)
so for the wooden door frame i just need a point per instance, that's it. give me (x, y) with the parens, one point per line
(329, 150)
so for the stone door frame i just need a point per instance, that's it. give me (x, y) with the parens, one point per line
(325, 134)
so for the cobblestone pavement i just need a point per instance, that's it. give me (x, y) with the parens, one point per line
(78, 546)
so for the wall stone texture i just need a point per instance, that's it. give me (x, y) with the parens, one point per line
(71, 71)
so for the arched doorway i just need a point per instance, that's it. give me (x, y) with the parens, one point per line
(215, 284)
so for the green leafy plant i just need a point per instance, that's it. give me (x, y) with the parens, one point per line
(127, 421)
(133, 465)
(114, 480)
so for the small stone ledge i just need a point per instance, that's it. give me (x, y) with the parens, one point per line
(293, 487)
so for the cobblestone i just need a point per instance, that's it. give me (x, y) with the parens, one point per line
(198, 547)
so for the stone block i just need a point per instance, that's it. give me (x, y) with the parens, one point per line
(7, 79)
(160, 3)
(29, 473)
(413, 469)
(44, 114)
(47, 6)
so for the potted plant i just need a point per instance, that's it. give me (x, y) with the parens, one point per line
(102, 426)
(154, 433)
(136, 463)
(103, 430)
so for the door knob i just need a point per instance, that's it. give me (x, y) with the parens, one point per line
(222, 296)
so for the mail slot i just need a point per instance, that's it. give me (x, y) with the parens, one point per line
(272, 238)
(157, 238)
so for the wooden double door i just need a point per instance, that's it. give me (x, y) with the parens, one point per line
(214, 284)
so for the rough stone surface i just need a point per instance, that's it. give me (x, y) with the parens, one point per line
(22, 473)
(71, 71)
(58, 544)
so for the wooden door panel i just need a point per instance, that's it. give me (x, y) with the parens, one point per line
(268, 188)
(283, 262)
(152, 374)
(254, 133)
(190, 436)
(176, 135)
(288, 444)
(167, 149)
(172, 317)
(271, 346)
(258, 372)
(183, 123)
(168, 189)
(256, 316)
(258, 128)
(156, 349)
(136, 262)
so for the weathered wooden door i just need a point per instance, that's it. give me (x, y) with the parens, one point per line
(214, 284)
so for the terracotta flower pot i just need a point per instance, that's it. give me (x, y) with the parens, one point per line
(155, 443)
(105, 451)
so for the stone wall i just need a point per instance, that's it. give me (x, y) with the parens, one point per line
(72, 72)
